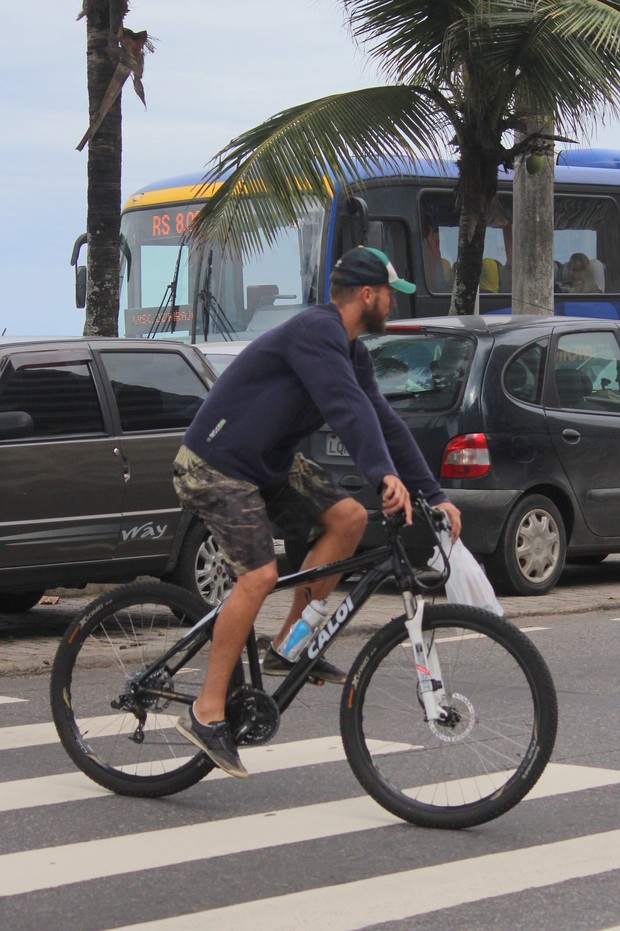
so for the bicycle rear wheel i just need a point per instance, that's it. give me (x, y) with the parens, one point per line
(502, 728)
(115, 638)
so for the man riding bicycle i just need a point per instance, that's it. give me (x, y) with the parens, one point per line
(238, 469)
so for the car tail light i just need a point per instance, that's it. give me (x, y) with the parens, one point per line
(466, 456)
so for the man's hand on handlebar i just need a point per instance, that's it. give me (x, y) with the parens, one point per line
(454, 516)
(395, 497)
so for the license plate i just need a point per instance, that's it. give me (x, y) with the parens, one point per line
(335, 446)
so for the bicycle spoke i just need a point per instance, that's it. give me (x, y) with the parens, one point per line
(464, 770)
(118, 727)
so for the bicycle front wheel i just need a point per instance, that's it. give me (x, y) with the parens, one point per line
(122, 737)
(501, 726)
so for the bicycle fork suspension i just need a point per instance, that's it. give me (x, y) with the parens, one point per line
(426, 661)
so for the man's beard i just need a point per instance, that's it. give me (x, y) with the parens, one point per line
(373, 319)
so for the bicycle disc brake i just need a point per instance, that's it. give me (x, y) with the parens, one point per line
(252, 715)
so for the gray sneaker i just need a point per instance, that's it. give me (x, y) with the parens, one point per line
(213, 739)
(274, 664)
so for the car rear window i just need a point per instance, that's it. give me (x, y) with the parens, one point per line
(424, 371)
(153, 390)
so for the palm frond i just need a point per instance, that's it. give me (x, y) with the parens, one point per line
(405, 36)
(276, 170)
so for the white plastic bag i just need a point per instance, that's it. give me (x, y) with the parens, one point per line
(467, 585)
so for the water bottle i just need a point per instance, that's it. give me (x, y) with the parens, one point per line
(301, 631)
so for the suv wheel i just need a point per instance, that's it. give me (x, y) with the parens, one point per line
(529, 558)
(201, 567)
(16, 602)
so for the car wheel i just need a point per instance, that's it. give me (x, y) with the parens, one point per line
(529, 558)
(201, 567)
(16, 602)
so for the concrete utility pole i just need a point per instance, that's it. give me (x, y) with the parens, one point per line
(532, 258)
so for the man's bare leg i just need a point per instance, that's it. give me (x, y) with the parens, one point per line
(344, 524)
(229, 636)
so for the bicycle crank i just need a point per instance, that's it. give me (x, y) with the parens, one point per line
(252, 715)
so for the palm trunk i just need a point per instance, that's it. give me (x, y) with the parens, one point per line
(477, 186)
(104, 18)
(469, 264)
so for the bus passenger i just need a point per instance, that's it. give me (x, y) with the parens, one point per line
(581, 278)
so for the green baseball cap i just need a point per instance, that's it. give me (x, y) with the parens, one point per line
(365, 265)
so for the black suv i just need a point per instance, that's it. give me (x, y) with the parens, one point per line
(88, 432)
(520, 419)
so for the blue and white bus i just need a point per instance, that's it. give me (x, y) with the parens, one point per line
(170, 287)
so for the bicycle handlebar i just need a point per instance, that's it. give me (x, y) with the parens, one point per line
(436, 520)
(435, 516)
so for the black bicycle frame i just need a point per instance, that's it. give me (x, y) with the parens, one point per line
(193, 641)
(380, 563)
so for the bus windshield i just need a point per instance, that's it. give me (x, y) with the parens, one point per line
(172, 287)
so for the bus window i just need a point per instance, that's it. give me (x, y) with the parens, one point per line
(232, 297)
(586, 227)
(258, 291)
(439, 223)
(158, 266)
(153, 240)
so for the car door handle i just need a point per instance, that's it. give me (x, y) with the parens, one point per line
(126, 469)
(570, 435)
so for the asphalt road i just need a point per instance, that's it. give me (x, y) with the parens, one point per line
(297, 847)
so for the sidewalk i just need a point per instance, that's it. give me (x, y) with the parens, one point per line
(28, 641)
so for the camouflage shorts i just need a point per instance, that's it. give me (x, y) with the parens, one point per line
(241, 516)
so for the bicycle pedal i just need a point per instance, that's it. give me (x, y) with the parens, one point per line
(314, 680)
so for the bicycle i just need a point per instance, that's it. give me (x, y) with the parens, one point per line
(448, 716)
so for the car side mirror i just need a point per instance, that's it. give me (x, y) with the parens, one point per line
(15, 424)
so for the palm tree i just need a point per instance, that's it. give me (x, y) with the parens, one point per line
(112, 53)
(466, 74)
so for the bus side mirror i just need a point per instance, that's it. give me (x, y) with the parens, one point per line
(80, 286)
(357, 209)
(80, 272)
(358, 230)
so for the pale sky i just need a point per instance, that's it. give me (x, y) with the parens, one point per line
(218, 69)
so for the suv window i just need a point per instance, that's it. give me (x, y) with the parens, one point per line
(424, 371)
(153, 390)
(61, 399)
(523, 376)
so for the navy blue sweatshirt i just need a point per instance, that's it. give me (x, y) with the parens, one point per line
(283, 387)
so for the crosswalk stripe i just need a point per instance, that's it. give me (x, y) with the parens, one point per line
(33, 735)
(397, 896)
(75, 786)
(48, 867)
